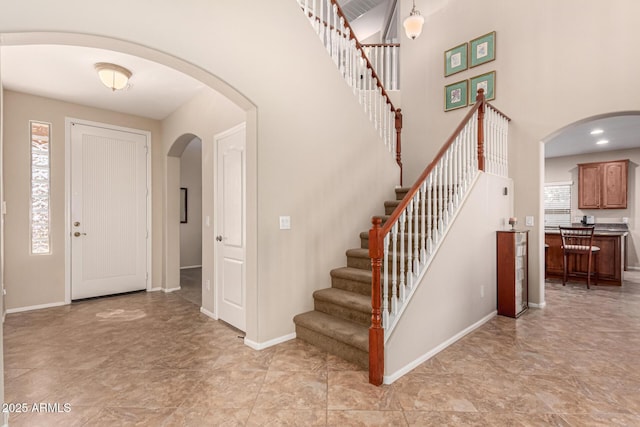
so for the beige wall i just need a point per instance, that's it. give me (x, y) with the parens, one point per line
(191, 179)
(204, 116)
(459, 288)
(33, 280)
(561, 169)
(2, 299)
(312, 153)
(551, 72)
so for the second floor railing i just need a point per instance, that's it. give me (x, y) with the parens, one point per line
(403, 247)
(329, 22)
(385, 59)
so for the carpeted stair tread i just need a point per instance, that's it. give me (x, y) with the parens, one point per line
(340, 330)
(358, 253)
(350, 300)
(350, 273)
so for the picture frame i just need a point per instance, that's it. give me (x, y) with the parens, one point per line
(482, 49)
(455, 59)
(456, 95)
(183, 205)
(487, 81)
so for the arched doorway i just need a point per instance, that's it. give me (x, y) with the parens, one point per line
(165, 260)
(596, 140)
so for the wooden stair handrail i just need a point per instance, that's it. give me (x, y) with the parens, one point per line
(397, 111)
(380, 45)
(378, 232)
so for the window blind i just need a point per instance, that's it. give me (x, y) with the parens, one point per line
(557, 205)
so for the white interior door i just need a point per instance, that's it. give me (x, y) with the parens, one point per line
(108, 211)
(230, 227)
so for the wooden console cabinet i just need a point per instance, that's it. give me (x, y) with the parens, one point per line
(603, 185)
(513, 287)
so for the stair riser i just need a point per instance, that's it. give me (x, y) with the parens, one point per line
(362, 288)
(342, 312)
(330, 345)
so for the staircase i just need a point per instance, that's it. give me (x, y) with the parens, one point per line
(340, 321)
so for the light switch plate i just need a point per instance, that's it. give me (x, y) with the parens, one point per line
(285, 223)
(528, 221)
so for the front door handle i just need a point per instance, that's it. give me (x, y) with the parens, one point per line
(219, 238)
(78, 234)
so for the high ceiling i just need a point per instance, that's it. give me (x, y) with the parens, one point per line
(67, 73)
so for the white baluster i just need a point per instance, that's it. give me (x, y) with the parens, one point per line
(430, 222)
(423, 220)
(401, 288)
(440, 200)
(394, 269)
(409, 210)
(385, 281)
(416, 231)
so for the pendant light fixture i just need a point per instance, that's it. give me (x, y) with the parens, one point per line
(413, 24)
(113, 76)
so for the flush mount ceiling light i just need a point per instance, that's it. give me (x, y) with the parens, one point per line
(413, 24)
(602, 142)
(597, 132)
(113, 76)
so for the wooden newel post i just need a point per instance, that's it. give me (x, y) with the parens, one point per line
(376, 333)
(399, 140)
(480, 98)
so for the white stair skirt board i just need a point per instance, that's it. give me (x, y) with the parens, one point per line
(35, 307)
(262, 345)
(167, 291)
(208, 313)
(190, 266)
(390, 379)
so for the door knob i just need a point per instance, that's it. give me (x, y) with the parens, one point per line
(219, 238)
(76, 224)
(78, 234)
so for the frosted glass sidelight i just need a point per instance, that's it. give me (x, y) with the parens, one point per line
(40, 212)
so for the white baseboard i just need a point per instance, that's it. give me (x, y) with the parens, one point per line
(190, 266)
(262, 345)
(156, 289)
(389, 379)
(633, 268)
(208, 313)
(543, 304)
(35, 307)
(168, 291)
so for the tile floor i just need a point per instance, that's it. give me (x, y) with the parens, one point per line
(154, 360)
(191, 285)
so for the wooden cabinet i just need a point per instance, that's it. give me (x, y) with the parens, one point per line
(603, 185)
(610, 259)
(513, 286)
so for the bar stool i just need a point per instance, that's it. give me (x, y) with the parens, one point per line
(579, 241)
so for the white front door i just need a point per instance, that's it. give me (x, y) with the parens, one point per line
(108, 211)
(230, 226)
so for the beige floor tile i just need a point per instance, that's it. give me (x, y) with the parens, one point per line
(293, 390)
(154, 359)
(366, 418)
(350, 390)
(284, 417)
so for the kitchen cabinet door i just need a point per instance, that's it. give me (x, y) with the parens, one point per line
(589, 177)
(614, 175)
